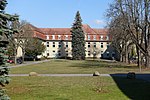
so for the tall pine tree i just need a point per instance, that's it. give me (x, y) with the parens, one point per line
(5, 33)
(78, 41)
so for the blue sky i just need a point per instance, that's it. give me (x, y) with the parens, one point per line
(59, 13)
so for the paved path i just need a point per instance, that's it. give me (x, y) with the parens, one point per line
(28, 63)
(145, 77)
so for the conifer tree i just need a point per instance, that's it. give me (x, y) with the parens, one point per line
(78, 41)
(5, 33)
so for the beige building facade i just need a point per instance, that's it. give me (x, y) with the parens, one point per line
(58, 41)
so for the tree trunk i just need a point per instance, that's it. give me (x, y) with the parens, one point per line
(147, 61)
(138, 55)
(148, 53)
(126, 54)
(121, 58)
(15, 56)
(23, 53)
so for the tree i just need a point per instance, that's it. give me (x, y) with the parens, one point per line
(78, 41)
(20, 38)
(34, 47)
(5, 33)
(137, 14)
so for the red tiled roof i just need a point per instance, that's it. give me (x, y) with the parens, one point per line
(59, 31)
(43, 32)
(88, 30)
(101, 31)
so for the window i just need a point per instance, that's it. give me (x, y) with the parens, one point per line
(59, 54)
(47, 37)
(94, 44)
(94, 37)
(88, 44)
(66, 37)
(53, 44)
(101, 45)
(70, 37)
(107, 45)
(59, 45)
(101, 54)
(47, 54)
(47, 44)
(67, 44)
(89, 37)
(107, 54)
(53, 51)
(89, 53)
(107, 37)
(53, 37)
(59, 37)
(101, 37)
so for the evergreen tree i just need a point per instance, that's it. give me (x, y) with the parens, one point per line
(78, 41)
(5, 33)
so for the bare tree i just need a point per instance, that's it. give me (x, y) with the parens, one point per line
(20, 38)
(137, 14)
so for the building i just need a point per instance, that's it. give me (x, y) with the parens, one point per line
(58, 42)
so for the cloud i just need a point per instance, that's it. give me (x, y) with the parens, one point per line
(99, 22)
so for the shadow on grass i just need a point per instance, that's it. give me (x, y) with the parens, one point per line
(134, 89)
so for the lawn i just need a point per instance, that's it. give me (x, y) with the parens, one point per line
(75, 67)
(77, 88)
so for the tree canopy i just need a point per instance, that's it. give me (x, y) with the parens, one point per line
(78, 39)
(5, 34)
(34, 47)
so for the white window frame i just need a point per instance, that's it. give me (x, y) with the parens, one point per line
(59, 37)
(89, 37)
(101, 37)
(107, 37)
(53, 37)
(66, 37)
(47, 37)
(94, 37)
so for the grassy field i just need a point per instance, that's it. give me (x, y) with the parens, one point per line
(74, 67)
(77, 88)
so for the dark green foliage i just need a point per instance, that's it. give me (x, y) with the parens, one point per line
(34, 47)
(78, 42)
(5, 34)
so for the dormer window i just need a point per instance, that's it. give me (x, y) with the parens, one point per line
(94, 37)
(101, 37)
(107, 37)
(66, 37)
(89, 37)
(53, 37)
(70, 37)
(47, 37)
(59, 37)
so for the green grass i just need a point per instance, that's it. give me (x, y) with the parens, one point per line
(74, 67)
(77, 88)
